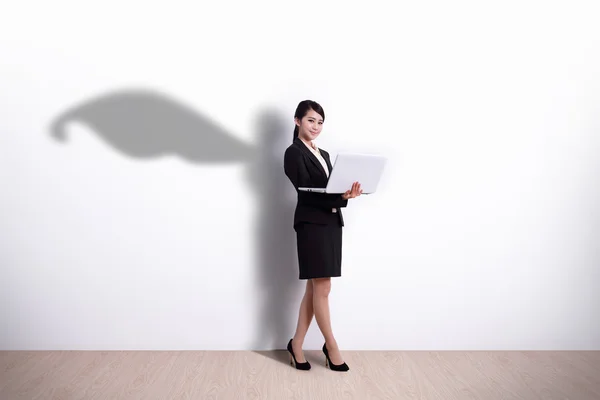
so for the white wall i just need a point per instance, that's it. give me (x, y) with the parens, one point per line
(118, 230)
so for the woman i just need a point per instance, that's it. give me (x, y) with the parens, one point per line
(318, 223)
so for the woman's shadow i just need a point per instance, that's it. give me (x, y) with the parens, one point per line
(277, 281)
(145, 124)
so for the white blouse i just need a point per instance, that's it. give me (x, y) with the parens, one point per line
(317, 154)
(319, 157)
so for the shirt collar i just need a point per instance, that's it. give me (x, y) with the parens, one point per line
(314, 146)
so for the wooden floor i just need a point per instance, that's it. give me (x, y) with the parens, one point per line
(268, 375)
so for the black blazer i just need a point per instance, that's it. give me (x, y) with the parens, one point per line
(304, 170)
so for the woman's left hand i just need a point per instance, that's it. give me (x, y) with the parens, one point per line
(354, 192)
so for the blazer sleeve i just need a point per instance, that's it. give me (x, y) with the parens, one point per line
(296, 171)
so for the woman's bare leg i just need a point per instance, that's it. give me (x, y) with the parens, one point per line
(305, 317)
(321, 290)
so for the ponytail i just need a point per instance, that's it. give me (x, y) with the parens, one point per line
(295, 133)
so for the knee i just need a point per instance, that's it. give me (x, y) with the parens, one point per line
(322, 287)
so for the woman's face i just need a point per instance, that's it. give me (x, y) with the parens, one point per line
(310, 126)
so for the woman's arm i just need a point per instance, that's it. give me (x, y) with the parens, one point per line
(297, 173)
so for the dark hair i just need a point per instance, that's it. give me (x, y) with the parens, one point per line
(303, 108)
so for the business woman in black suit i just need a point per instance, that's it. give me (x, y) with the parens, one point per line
(318, 223)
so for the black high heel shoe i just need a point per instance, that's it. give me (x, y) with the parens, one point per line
(341, 367)
(305, 366)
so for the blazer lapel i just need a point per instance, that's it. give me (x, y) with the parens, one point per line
(312, 157)
(328, 162)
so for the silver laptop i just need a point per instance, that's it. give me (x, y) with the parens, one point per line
(353, 167)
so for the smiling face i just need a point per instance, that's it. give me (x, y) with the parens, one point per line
(310, 126)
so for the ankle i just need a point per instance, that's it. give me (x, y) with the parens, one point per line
(331, 344)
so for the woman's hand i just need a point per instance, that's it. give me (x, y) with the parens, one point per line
(354, 192)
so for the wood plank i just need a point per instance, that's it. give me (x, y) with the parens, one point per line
(447, 375)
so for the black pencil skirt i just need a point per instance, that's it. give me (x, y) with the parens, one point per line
(319, 250)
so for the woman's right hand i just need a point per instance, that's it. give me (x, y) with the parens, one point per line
(352, 193)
